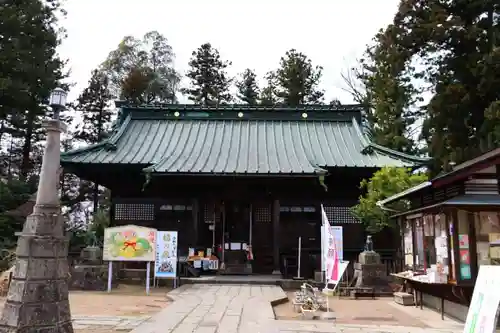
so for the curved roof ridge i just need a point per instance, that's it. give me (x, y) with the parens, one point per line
(238, 107)
(326, 139)
(109, 143)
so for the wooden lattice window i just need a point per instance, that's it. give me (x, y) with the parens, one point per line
(340, 215)
(209, 213)
(181, 208)
(135, 212)
(297, 209)
(262, 214)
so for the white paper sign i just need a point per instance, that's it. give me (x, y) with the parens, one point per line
(342, 266)
(485, 299)
(337, 233)
(166, 254)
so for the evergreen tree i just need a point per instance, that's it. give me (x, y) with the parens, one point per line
(93, 103)
(389, 93)
(268, 93)
(13, 193)
(209, 81)
(141, 70)
(29, 70)
(297, 80)
(458, 44)
(335, 102)
(248, 89)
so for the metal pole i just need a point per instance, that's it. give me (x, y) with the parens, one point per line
(223, 233)
(299, 255)
(110, 275)
(148, 275)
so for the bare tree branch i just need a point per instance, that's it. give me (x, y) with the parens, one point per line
(353, 86)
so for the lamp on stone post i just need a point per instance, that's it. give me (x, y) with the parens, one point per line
(57, 101)
(38, 294)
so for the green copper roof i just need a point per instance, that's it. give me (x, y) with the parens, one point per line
(190, 139)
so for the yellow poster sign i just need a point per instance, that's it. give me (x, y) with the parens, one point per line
(129, 243)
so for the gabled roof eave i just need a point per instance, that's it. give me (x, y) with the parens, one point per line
(108, 144)
(368, 145)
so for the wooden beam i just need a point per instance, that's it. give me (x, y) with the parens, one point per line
(275, 218)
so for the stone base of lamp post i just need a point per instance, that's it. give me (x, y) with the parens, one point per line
(38, 295)
(37, 301)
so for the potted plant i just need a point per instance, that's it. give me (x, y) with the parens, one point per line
(309, 308)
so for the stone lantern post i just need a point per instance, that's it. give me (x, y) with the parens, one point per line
(38, 295)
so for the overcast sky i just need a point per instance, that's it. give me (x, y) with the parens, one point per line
(253, 34)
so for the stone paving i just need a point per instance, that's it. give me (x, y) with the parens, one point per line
(116, 323)
(234, 309)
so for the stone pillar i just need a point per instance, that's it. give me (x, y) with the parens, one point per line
(276, 229)
(38, 295)
(48, 194)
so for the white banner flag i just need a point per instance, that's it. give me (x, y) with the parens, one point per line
(333, 264)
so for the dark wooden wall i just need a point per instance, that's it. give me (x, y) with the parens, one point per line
(186, 203)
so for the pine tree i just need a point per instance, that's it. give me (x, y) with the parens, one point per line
(29, 70)
(459, 48)
(248, 89)
(387, 77)
(268, 93)
(297, 80)
(209, 80)
(93, 103)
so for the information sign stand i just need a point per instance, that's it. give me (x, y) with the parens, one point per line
(166, 256)
(129, 243)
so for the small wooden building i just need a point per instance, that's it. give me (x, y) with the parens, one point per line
(453, 222)
(229, 175)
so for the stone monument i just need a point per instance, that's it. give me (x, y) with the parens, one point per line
(91, 273)
(369, 272)
(37, 300)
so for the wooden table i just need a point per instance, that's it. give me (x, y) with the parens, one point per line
(417, 291)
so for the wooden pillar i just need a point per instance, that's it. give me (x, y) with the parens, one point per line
(413, 241)
(195, 215)
(473, 246)
(276, 227)
(497, 168)
(112, 210)
(452, 217)
(401, 260)
(455, 249)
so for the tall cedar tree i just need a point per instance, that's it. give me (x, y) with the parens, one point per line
(248, 89)
(29, 70)
(297, 80)
(209, 80)
(459, 46)
(390, 94)
(93, 103)
(142, 70)
(268, 93)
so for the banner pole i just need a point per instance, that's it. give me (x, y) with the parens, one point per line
(327, 302)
